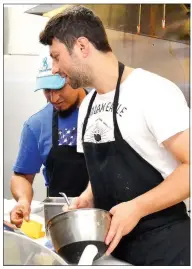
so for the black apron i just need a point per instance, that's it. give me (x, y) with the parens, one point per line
(118, 174)
(65, 168)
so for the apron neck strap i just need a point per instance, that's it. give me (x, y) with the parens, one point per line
(88, 113)
(55, 136)
(115, 102)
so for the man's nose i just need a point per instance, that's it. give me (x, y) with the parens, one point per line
(55, 69)
(54, 96)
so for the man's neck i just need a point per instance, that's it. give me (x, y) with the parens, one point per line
(105, 74)
(81, 96)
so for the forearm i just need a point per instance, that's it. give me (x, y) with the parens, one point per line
(21, 187)
(174, 189)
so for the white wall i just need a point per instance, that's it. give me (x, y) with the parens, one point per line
(23, 30)
(20, 102)
(20, 69)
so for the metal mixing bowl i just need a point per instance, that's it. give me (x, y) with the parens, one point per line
(53, 206)
(72, 231)
(21, 250)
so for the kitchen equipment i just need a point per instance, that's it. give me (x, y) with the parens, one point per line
(88, 255)
(72, 231)
(21, 250)
(53, 206)
(66, 198)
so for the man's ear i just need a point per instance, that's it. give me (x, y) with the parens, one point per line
(82, 45)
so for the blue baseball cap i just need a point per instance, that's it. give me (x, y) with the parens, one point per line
(45, 79)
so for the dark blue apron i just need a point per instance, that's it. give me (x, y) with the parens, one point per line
(65, 168)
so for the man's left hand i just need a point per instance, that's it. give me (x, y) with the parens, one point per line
(125, 217)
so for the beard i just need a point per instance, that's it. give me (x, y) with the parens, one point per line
(79, 80)
(69, 111)
(79, 75)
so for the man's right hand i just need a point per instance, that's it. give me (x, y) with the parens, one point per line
(19, 212)
(85, 200)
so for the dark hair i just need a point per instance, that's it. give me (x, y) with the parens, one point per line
(73, 23)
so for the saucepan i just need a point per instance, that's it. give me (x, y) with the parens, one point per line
(71, 232)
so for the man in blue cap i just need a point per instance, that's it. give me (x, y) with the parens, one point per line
(49, 138)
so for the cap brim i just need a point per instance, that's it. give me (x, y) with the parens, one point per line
(54, 82)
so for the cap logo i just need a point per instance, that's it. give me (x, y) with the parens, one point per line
(45, 67)
(45, 64)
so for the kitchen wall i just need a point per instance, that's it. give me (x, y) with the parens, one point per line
(21, 61)
(21, 30)
(166, 58)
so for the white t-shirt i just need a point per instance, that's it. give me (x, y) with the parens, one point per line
(151, 109)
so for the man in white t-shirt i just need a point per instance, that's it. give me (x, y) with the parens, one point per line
(134, 131)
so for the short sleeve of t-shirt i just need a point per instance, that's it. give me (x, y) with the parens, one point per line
(166, 110)
(28, 160)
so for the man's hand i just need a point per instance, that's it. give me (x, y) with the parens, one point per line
(125, 217)
(21, 188)
(20, 211)
(83, 201)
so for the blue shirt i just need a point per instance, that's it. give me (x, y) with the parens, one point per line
(36, 139)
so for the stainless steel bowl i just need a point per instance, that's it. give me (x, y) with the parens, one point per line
(52, 207)
(21, 250)
(72, 231)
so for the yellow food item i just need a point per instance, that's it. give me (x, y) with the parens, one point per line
(32, 228)
(42, 234)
